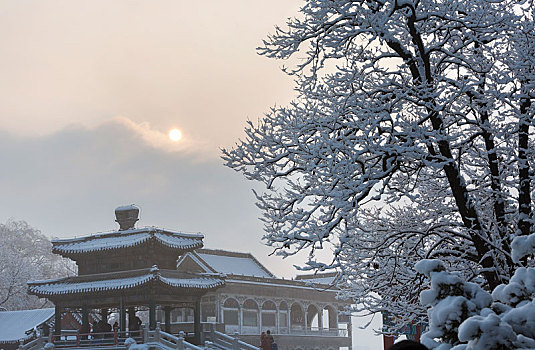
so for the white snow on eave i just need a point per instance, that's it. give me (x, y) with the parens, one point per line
(86, 287)
(231, 265)
(103, 243)
(67, 287)
(176, 241)
(14, 324)
(202, 283)
(149, 229)
(117, 241)
(319, 280)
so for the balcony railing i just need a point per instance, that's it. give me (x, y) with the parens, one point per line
(313, 331)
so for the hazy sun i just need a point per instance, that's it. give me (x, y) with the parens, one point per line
(175, 135)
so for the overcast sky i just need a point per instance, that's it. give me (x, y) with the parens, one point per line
(89, 92)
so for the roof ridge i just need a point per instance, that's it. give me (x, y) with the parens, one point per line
(317, 274)
(146, 229)
(230, 253)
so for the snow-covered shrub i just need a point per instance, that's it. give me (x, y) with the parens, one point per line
(462, 316)
(49, 346)
(131, 344)
(451, 300)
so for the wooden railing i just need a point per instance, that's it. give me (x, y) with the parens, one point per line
(75, 339)
(37, 343)
(224, 341)
(155, 338)
(159, 338)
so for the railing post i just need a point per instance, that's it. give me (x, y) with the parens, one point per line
(41, 342)
(144, 334)
(212, 332)
(21, 344)
(236, 342)
(180, 341)
(157, 333)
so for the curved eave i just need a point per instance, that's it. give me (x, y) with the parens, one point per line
(77, 287)
(43, 289)
(190, 244)
(184, 285)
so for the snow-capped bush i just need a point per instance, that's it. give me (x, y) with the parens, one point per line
(49, 346)
(462, 316)
(451, 301)
(131, 344)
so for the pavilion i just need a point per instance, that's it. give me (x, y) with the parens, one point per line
(128, 269)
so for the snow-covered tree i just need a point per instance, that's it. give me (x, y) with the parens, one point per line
(26, 254)
(410, 138)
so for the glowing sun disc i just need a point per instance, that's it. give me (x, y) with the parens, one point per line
(175, 135)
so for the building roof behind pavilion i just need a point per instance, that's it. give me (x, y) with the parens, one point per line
(117, 281)
(126, 239)
(328, 278)
(228, 263)
(15, 324)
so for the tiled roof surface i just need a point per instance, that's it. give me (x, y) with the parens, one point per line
(14, 324)
(125, 239)
(230, 263)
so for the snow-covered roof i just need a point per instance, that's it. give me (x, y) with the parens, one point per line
(121, 281)
(328, 278)
(125, 239)
(229, 263)
(15, 324)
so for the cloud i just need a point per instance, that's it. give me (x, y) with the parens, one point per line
(68, 184)
(160, 140)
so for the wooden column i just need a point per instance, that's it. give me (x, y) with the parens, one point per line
(57, 320)
(122, 315)
(152, 314)
(85, 320)
(167, 317)
(197, 329)
(104, 314)
(131, 317)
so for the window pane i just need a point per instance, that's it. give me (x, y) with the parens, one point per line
(230, 317)
(249, 318)
(268, 319)
(283, 319)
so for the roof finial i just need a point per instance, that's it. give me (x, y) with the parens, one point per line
(126, 216)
